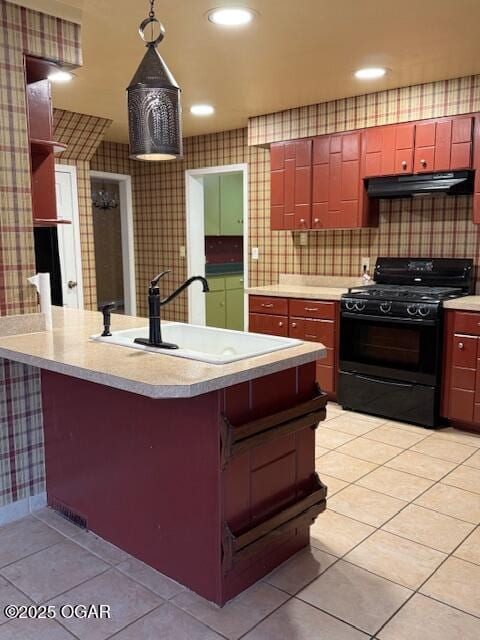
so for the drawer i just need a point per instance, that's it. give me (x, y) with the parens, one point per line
(463, 378)
(265, 304)
(314, 330)
(461, 405)
(234, 282)
(467, 323)
(312, 309)
(464, 351)
(269, 324)
(216, 283)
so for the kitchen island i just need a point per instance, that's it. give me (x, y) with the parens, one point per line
(205, 472)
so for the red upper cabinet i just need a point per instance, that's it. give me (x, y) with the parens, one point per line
(443, 145)
(462, 135)
(404, 141)
(291, 184)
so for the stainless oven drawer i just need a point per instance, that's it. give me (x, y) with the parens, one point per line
(395, 400)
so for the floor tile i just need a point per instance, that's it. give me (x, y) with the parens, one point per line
(10, 595)
(455, 435)
(239, 615)
(352, 424)
(24, 537)
(319, 451)
(355, 596)
(464, 477)
(337, 534)
(470, 549)
(397, 437)
(444, 449)
(452, 502)
(34, 630)
(150, 578)
(342, 466)
(457, 583)
(298, 571)
(297, 620)
(167, 623)
(58, 522)
(473, 461)
(128, 601)
(426, 619)
(413, 428)
(402, 561)
(430, 528)
(108, 552)
(330, 439)
(421, 465)
(333, 484)
(370, 450)
(365, 505)
(397, 484)
(54, 570)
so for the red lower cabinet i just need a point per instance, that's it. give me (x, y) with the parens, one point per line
(461, 380)
(312, 320)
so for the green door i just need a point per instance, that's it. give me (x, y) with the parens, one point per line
(231, 204)
(211, 204)
(235, 309)
(215, 315)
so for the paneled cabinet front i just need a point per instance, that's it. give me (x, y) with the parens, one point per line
(291, 184)
(312, 320)
(461, 386)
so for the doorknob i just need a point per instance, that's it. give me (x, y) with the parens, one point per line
(71, 284)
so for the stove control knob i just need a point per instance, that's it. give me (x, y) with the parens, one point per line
(412, 309)
(360, 306)
(423, 311)
(350, 305)
(385, 307)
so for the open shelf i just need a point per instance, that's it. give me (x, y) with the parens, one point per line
(45, 146)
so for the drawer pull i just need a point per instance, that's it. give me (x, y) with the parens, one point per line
(267, 306)
(461, 346)
(294, 325)
(309, 335)
(311, 309)
(280, 324)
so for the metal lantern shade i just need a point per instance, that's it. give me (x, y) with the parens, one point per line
(154, 111)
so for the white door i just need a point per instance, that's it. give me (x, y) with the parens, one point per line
(69, 236)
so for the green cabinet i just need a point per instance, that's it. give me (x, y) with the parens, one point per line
(225, 302)
(223, 204)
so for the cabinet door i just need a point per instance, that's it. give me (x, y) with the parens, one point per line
(321, 180)
(404, 139)
(303, 185)
(234, 305)
(215, 309)
(461, 152)
(231, 204)
(211, 204)
(350, 180)
(424, 157)
(268, 324)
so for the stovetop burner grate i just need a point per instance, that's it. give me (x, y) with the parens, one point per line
(405, 292)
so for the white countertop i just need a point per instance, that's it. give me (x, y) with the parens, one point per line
(309, 287)
(68, 350)
(468, 303)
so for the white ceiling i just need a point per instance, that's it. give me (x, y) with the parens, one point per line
(294, 53)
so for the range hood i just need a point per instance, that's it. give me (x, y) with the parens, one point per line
(424, 184)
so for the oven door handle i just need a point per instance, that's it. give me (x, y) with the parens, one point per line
(385, 319)
(391, 382)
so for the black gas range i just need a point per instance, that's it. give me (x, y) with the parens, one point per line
(391, 337)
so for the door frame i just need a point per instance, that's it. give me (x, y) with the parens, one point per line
(196, 227)
(72, 170)
(124, 182)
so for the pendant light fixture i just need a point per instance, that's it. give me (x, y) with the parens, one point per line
(154, 111)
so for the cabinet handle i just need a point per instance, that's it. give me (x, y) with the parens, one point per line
(461, 345)
(309, 335)
(280, 324)
(267, 306)
(302, 220)
(404, 164)
(423, 163)
(294, 324)
(311, 309)
(316, 220)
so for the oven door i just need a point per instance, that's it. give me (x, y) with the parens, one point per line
(390, 348)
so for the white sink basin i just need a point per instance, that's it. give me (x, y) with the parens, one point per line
(207, 344)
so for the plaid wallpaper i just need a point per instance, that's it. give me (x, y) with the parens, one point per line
(21, 430)
(82, 134)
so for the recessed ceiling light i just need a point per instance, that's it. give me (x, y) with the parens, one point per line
(202, 109)
(370, 73)
(60, 76)
(231, 16)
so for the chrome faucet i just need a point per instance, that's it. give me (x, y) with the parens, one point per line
(155, 303)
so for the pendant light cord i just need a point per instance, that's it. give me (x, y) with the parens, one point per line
(151, 13)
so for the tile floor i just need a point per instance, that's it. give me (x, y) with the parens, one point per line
(396, 556)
